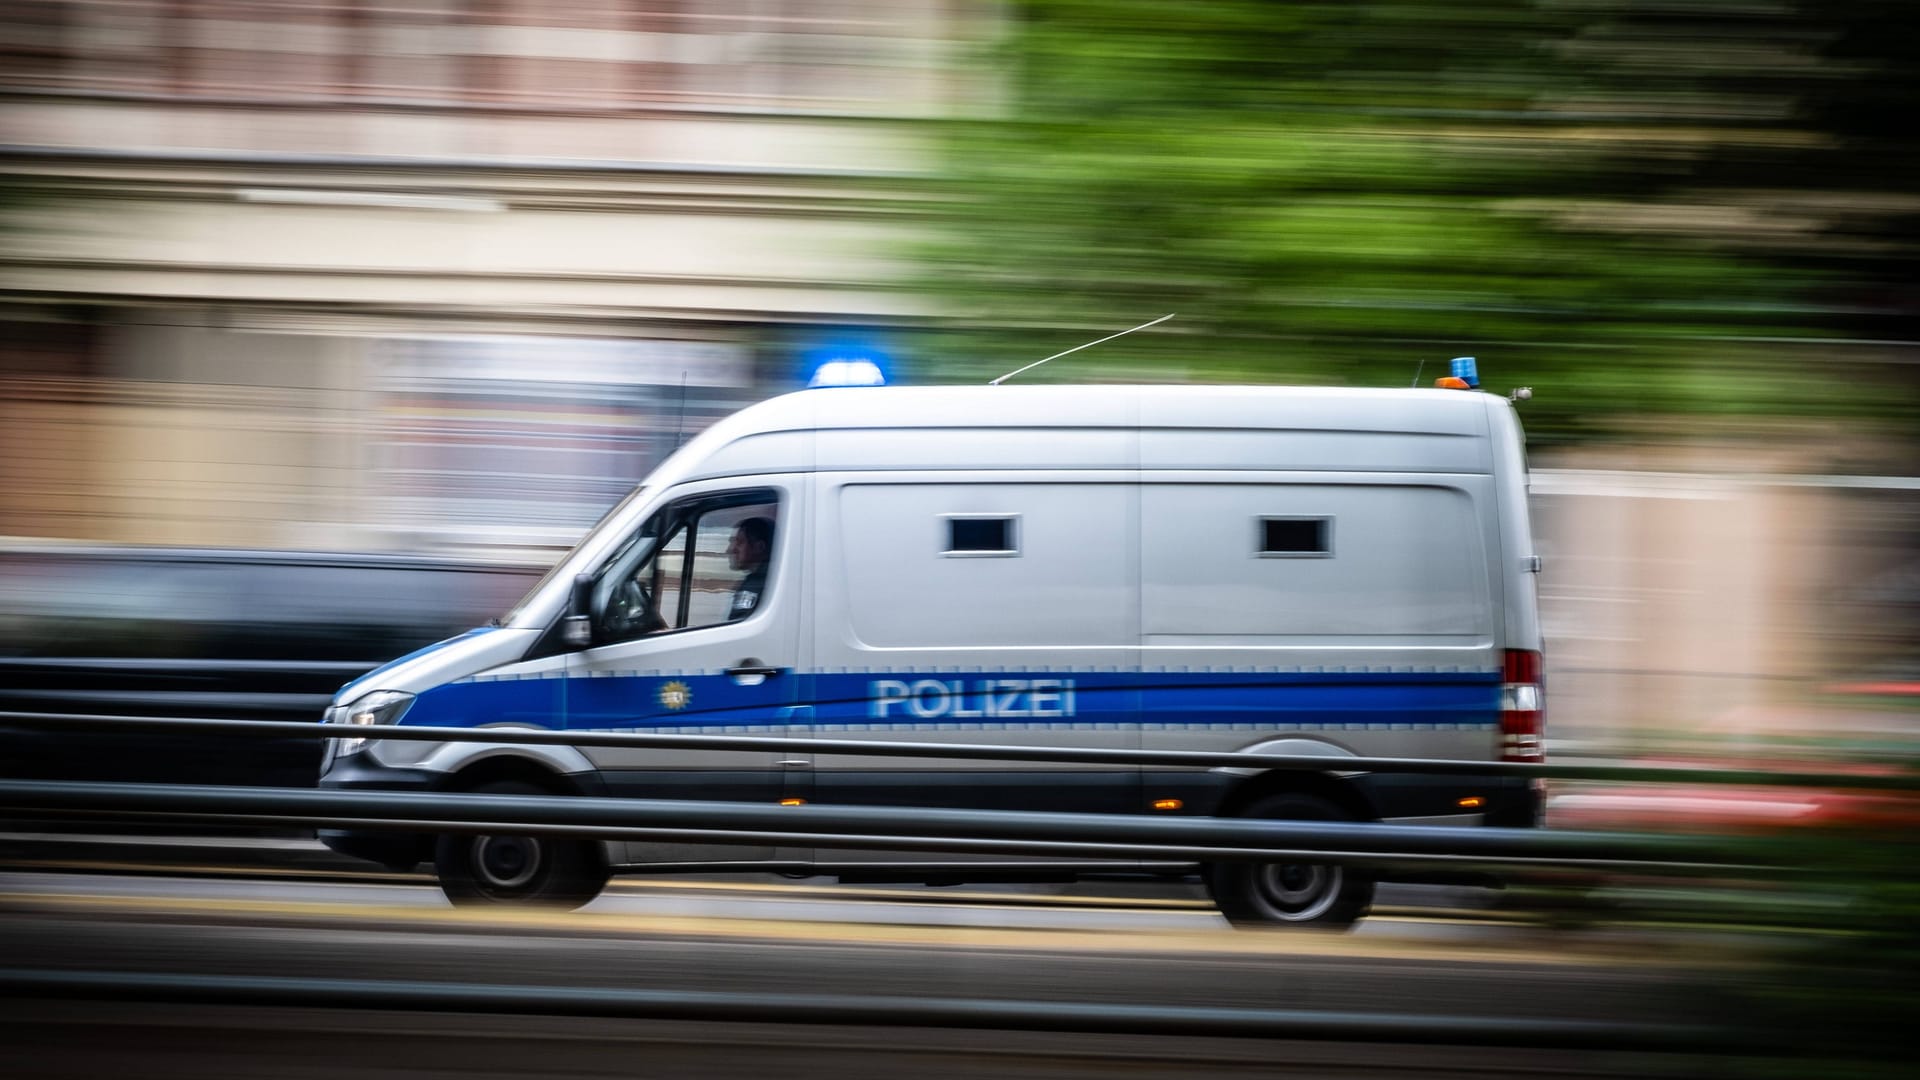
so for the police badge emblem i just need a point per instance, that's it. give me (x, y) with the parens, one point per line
(675, 695)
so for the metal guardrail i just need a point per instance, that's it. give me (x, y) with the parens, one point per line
(863, 1010)
(1006, 832)
(1130, 837)
(1901, 781)
(1142, 838)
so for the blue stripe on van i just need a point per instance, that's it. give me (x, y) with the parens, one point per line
(533, 702)
(989, 700)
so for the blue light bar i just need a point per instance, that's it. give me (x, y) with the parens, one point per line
(848, 371)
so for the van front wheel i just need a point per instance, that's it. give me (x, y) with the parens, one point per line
(552, 871)
(1300, 895)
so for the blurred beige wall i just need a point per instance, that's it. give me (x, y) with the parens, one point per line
(1706, 602)
(188, 436)
(689, 247)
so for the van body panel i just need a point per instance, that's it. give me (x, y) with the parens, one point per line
(1068, 578)
(434, 673)
(452, 757)
(1314, 451)
(1204, 571)
(1517, 580)
(998, 447)
(751, 455)
(1051, 409)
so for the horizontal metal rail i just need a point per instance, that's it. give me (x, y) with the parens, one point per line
(1124, 836)
(1900, 781)
(861, 1010)
(167, 665)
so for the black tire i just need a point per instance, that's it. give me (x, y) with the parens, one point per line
(550, 871)
(1292, 895)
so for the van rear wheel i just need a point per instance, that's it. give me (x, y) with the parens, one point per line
(551, 871)
(1291, 895)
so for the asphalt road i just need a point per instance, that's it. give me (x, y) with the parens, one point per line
(759, 938)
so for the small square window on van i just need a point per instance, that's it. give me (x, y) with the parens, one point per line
(983, 535)
(1296, 538)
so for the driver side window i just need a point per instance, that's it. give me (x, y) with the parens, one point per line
(712, 566)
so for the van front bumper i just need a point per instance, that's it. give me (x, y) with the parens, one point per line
(397, 851)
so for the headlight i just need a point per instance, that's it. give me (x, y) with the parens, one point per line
(379, 707)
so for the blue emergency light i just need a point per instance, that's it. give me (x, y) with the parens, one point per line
(848, 371)
(1467, 370)
(845, 358)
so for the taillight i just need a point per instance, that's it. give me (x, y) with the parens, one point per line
(1522, 726)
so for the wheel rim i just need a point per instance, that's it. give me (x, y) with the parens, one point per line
(1296, 892)
(505, 863)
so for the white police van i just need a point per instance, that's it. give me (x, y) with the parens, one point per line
(1258, 569)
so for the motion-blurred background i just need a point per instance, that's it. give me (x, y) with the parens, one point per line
(446, 277)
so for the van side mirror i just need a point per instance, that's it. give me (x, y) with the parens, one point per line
(576, 630)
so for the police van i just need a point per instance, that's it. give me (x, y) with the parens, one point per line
(1340, 572)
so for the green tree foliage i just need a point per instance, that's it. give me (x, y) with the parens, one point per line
(1842, 1001)
(1338, 192)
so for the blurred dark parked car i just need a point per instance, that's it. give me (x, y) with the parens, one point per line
(247, 635)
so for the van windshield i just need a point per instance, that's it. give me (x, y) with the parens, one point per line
(564, 560)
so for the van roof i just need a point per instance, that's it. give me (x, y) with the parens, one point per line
(1072, 406)
(1060, 426)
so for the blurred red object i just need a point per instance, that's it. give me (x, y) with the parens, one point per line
(1877, 689)
(1729, 809)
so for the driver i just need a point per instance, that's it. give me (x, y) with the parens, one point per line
(752, 543)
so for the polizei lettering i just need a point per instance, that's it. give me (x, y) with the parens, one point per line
(959, 699)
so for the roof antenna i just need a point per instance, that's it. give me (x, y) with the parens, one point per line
(1077, 348)
(680, 421)
(1416, 373)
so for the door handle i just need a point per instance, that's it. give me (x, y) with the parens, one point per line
(751, 667)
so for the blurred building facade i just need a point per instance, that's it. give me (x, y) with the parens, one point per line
(1726, 596)
(347, 273)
